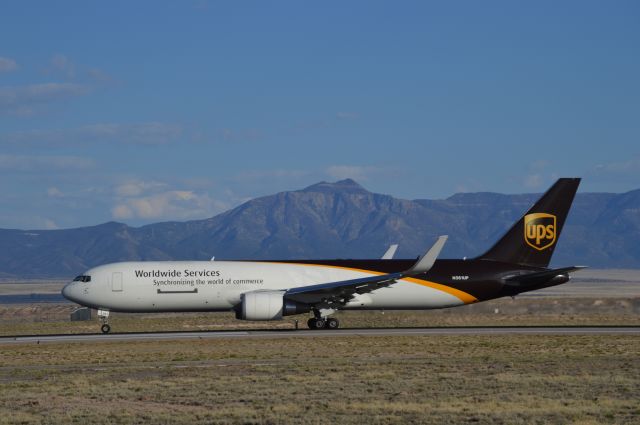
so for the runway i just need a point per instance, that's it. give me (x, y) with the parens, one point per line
(154, 336)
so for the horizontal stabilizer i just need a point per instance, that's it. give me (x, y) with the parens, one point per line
(543, 275)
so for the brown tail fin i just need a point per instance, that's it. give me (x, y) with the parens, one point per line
(532, 239)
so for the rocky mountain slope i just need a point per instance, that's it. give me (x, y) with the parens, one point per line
(332, 220)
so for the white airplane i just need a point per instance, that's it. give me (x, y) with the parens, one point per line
(270, 290)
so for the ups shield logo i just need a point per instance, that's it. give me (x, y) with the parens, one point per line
(540, 230)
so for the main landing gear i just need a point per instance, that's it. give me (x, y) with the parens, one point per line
(323, 323)
(103, 315)
(321, 319)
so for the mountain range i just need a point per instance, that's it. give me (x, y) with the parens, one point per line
(332, 220)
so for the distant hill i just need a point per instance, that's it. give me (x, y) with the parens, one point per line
(332, 220)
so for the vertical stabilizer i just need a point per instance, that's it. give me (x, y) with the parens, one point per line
(532, 239)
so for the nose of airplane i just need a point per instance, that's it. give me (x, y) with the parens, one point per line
(68, 292)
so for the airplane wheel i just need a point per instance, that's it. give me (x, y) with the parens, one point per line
(105, 328)
(332, 323)
(319, 323)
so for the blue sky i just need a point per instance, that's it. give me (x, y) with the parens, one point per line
(150, 111)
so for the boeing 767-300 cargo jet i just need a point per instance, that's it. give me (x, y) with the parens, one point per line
(269, 290)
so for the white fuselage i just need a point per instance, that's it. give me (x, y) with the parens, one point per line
(162, 286)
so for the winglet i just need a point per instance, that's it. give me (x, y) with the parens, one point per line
(390, 252)
(425, 263)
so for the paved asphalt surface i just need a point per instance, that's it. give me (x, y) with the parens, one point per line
(631, 330)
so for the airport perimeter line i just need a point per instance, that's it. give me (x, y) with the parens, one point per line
(154, 336)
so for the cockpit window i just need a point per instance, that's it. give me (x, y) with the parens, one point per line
(82, 278)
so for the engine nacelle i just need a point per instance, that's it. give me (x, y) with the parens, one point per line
(267, 305)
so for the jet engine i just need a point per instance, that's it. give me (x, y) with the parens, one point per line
(267, 305)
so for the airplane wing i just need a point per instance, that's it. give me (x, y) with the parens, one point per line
(342, 291)
(390, 252)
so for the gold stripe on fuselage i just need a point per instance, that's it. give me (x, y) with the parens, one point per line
(461, 295)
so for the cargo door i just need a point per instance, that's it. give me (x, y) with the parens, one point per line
(116, 282)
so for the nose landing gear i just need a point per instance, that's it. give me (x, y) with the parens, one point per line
(103, 315)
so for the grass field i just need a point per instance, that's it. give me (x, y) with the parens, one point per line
(492, 379)
(443, 379)
(54, 318)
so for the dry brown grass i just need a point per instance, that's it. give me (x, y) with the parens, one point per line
(54, 318)
(442, 379)
(425, 379)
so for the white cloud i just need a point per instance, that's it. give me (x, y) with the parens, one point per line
(40, 163)
(201, 5)
(121, 212)
(539, 175)
(533, 181)
(137, 187)
(162, 204)
(363, 173)
(54, 192)
(99, 75)
(50, 224)
(146, 133)
(539, 165)
(63, 65)
(173, 205)
(129, 189)
(242, 135)
(347, 115)
(149, 133)
(7, 64)
(628, 167)
(20, 99)
(153, 200)
(622, 175)
(356, 172)
(469, 185)
(278, 173)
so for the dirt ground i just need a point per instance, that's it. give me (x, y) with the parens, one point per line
(515, 379)
(41, 319)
